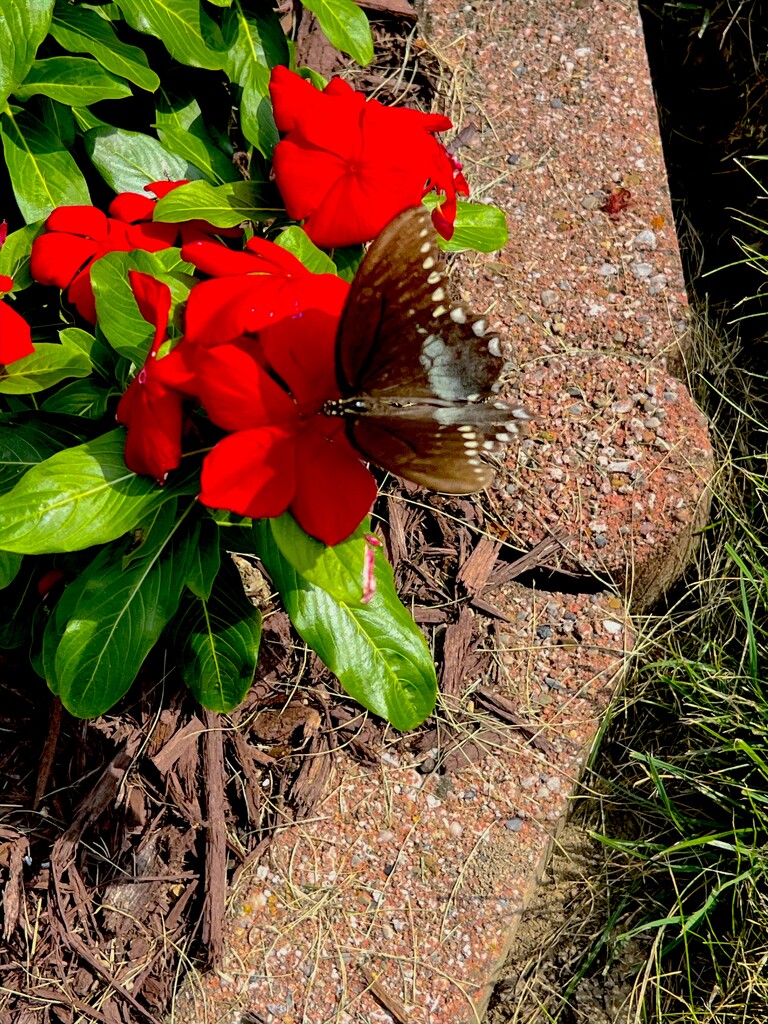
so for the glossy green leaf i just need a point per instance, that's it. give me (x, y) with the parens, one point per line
(24, 25)
(345, 26)
(376, 651)
(218, 640)
(187, 32)
(10, 564)
(58, 119)
(82, 31)
(120, 321)
(257, 119)
(225, 206)
(117, 613)
(206, 560)
(338, 569)
(25, 442)
(296, 241)
(347, 261)
(76, 81)
(43, 174)
(80, 398)
(103, 358)
(14, 255)
(46, 366)
(78, 497)
(130, 160)
(199, 152)
(477, 227)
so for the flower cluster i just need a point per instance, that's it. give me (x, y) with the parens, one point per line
(257, 352)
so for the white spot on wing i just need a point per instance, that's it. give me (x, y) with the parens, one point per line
(438, 311)
(429, 262)
(458, 315)
(433, 278)
(494, 347)
(425, 247)
(478, 328)
(438, 295)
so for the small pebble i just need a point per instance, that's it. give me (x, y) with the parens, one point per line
(513, 824)
(608, 270)
(556, 103)
(601, 540)
(455, 828)
(512, 159)
(612, 627)
(645, 240)
(544, 632)
(641, 270)
(549, 298)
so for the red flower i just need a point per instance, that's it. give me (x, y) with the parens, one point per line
(150, 408)
(284, 453)
(15, 335)
(78, 235)
(263, 287)
(349, 165)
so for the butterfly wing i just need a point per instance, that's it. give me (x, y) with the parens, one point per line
(399, 333)
(421, 370)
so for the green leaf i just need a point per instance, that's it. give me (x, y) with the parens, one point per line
(347, 261)
(46, 366)
(256, 116)
(25, 443)
(201, 153)
(80, 398)
(296, 241)
(103, 359)
(76, 81)
(119, 317)
(187, 32)
(118, 612)
(23, 26)
(478, 227)
(9, 567)
(43, 174)
(224, 206)
(338, 569)
(206, 560)
(14, 255)
(130, 160)
(19, 600)
(79, 497)
(82, 31)
(376, 651)
(58, 119)
(345, 26)
(219, 643)
(257, 44)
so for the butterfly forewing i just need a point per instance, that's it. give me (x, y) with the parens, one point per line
(397, 333)
(416, 372)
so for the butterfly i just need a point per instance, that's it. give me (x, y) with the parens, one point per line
(418, 376)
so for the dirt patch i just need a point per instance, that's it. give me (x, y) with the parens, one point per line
(552, 972)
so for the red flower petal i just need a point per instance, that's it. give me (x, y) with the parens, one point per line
(251, 472)
(80, 294)
(217, 260)
(56, 258)
(130, 207)
(237, 392)
(153, 298)
(79, 220)
(162, 188)
(153, 414)
(15, 336)
(305, 175)
(303, 354)
(334, 490)
(6, 283)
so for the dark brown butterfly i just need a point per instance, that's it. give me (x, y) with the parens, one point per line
(417, 374)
